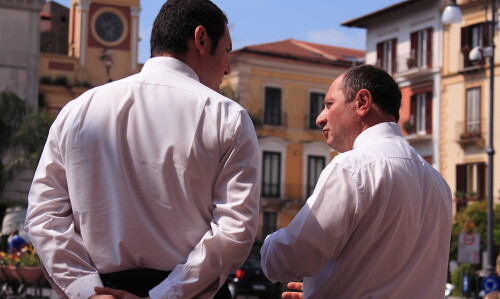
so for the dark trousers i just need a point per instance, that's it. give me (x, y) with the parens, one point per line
(140, 281)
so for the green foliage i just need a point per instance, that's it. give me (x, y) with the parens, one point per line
(46, 80)
(21, 132)
(409, 127)
(457, 278)
(32, 134)
(58, 80)
(61, 80)
(473, 219)
(459, 195)
(12, 112)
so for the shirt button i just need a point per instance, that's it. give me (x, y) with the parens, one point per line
(77, 293)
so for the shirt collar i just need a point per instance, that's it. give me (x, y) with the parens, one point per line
(378, 131)
(171, 64)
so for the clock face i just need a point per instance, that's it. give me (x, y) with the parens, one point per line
(109, 27)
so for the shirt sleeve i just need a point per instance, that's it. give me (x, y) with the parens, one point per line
(50, 224)
(233, 228)
(318, 233)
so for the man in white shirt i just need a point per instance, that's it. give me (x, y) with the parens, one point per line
(378, 223)
(150, 184)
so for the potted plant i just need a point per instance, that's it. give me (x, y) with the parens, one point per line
(460, 199)
(23, 265)
(409, 127)
(471, 195)
(411, 62)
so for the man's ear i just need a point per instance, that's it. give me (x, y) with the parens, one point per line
(201, 39)
(363, 102)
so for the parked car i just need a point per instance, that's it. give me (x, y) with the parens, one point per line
(250, 280)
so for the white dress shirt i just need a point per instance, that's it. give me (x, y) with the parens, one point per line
(152, 171)
(377, 225)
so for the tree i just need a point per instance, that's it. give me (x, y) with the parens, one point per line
(473, 219)
(23, 134)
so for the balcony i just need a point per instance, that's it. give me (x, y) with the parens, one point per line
(411, 65)
(469, 66)
(413, 135)
(469, 134)
(275, 119)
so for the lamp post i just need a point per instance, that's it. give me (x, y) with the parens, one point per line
(452, 14)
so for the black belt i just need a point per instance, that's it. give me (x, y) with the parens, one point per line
(140, 281)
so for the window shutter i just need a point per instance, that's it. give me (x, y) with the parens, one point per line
(394, 55)
(413, 109)
(485, 29)
(428, 113)
(461, 182)
(380, 54)
(413, 45)
(464, 42)
(481, 174)
(465, 45)
(429, 47)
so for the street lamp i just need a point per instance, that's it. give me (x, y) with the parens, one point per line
(451, 15)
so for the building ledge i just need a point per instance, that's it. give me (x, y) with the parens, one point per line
(464, 142)
(418, 137)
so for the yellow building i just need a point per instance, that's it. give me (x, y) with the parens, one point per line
(282, 85)
(102, 46)
(465, 105)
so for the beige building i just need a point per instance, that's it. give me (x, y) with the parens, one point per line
(405, 40)
(465, 105)
(19, 44)
(19, 49)
(282, 85)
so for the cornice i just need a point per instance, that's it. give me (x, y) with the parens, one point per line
(23, 4)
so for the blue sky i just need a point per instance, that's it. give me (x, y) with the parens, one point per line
(262, 21)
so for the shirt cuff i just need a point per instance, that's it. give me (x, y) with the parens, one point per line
(83, 287)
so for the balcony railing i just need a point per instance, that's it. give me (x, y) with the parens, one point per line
(470, 133)
(412, 63)
(409, 63)
(275, 119)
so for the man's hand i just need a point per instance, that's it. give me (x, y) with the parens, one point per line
(297, 286)
(110, 293)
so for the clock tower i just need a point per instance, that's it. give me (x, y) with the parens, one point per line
(104, 36)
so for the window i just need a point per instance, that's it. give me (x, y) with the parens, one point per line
(421, 113)
(272, 106)
(471, 179)
(269, 223)
(315, 108)
(476, 35)
(386, 55)
(472, 119)
(421, 49)
(315, 164)
(271, 174)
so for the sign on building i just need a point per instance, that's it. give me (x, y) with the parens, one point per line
(468, 248)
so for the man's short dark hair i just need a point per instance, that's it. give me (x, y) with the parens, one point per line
(385, 91)
(175, 24)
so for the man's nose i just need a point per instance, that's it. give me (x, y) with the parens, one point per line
(228, 70)
(321, 119)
